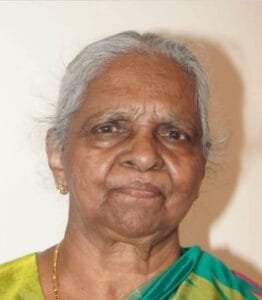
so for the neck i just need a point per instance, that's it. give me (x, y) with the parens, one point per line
(85, 257)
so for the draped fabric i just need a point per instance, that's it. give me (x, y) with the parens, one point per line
(19, 280)
(196, 275)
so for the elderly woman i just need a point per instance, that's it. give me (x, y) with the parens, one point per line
(129, 143)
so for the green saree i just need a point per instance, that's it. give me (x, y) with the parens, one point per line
(196, 275)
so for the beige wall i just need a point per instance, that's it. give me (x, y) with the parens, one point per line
(37, 41)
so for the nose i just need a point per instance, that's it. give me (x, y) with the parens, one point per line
(142, 155)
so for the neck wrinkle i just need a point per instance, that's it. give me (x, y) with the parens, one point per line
(87, 261)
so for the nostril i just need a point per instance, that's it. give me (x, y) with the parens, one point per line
(142, 155)
(129, 162)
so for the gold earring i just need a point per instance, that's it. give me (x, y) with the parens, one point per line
(62, 189)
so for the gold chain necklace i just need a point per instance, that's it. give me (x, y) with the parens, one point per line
(55, 275)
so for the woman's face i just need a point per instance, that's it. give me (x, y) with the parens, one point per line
(133, 162)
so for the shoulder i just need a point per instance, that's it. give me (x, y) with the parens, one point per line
(220, 275)
(19, 279)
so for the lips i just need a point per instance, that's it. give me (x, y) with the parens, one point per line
(140, 189)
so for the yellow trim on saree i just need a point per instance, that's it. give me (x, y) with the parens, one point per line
(196, 287)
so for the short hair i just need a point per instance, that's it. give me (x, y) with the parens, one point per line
(94, 58)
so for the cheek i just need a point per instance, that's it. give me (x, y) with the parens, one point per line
(188, 165)
(192, 176)
(85, 174)
(186, 175)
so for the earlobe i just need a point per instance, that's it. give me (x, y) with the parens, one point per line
(55, 161)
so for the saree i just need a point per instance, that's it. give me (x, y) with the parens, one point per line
(19, 279)
(196, 275)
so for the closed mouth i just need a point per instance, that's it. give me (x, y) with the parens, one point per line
(140, 189)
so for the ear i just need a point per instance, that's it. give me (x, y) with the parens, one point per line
(55, 159)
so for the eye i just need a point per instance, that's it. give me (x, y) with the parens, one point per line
(177, 135)
(172, 134)
(105, 129)
(111, 128)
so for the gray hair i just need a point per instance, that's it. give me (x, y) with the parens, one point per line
(92, 60)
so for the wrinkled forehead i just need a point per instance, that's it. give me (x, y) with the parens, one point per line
(138, 84)
(152, 71)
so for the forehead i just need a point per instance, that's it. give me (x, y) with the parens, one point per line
(142, 82)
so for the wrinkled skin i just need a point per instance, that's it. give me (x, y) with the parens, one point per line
(133, 161)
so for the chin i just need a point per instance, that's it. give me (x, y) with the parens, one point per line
(134, 226)
(133, 218)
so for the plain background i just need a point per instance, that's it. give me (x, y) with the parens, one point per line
(39, 38)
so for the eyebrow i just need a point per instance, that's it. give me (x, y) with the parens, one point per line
(111, 115)
(172, 118)
(117, 114)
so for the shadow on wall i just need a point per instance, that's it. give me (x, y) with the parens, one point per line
(221, 178)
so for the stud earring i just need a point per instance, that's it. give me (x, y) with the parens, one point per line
(62, 189)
